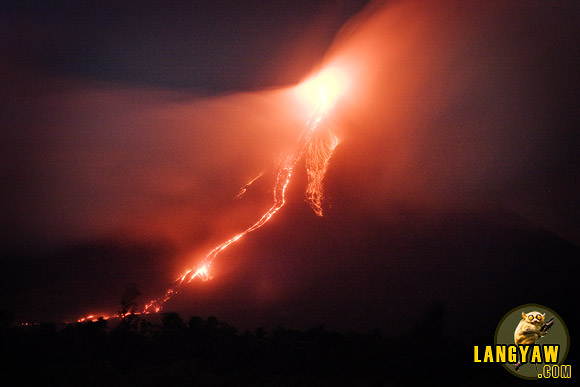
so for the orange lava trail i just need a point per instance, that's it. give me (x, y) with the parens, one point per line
(317, 156)
(245, 188)
(315, 144)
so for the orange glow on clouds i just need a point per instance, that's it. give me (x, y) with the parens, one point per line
(322, 90)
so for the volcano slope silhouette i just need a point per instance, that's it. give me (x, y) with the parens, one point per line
(366, 265)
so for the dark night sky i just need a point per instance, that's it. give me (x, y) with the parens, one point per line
(212, 46)
(128, 129)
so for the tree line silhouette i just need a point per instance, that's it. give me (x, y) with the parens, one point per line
(206, 351)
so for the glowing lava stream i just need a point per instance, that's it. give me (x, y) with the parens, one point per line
(318, 149)
(316, 144)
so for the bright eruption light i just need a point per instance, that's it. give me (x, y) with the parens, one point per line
(324, 89)
(316, 145)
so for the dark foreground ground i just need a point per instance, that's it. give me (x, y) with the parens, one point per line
(204, 352)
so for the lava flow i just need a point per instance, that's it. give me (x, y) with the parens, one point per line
(316, 144)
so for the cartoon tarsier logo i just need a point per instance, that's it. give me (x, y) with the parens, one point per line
(530, 329)
(531, 342)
